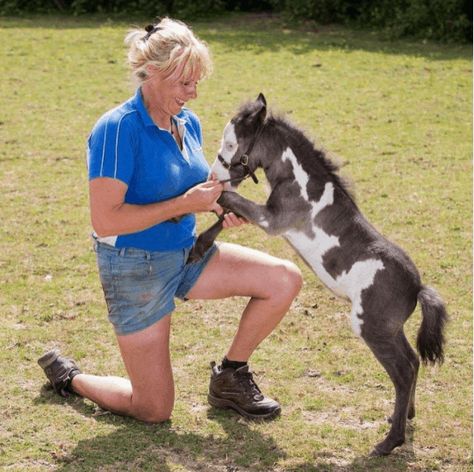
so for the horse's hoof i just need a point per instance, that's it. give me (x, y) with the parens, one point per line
(194, 256)
(376, 452)
(382, 449)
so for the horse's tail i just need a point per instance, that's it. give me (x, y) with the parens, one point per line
(430, 340)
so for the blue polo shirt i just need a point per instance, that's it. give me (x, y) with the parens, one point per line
(125, 144)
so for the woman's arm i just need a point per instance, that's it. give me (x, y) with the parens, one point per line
(110, 215)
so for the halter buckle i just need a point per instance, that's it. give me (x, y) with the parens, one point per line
(244, 160)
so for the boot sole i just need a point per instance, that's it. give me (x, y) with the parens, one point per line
(226, 404)
(48, 358)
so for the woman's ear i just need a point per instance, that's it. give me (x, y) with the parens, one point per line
(151, 70)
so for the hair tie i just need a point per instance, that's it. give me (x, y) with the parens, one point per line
(150, 29)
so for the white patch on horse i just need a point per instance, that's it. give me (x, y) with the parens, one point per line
(227, 150)
(327, 198)
(301, 176)
(348, 284)
(360, 277)
(263, 222)
(302, 179)
(312, 249)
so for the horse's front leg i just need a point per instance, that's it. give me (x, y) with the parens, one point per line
(272, 222)
(205, 241)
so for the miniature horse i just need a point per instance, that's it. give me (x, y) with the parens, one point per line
(310, 206)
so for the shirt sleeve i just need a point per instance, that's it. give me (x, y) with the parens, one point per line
(111, 149)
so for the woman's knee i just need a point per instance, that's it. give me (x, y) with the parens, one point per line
(152, 413)
(288, 279)
(153, 406)
(157, 417)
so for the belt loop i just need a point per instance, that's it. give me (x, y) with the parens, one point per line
(147, 255)
(122, 251)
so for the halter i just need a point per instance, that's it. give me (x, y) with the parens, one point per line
(243, 161)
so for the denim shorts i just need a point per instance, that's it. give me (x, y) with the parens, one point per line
(140, 286)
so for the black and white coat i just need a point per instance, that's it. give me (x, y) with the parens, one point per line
(311, 207)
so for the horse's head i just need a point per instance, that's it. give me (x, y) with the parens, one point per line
(235, 160)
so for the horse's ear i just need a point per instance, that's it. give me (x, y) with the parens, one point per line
(261, 112)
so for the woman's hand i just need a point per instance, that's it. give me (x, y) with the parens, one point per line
(203, 197)
(231, 220)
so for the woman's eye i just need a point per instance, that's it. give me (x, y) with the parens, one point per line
(189, 83)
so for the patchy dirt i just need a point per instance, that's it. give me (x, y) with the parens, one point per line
(346, 417)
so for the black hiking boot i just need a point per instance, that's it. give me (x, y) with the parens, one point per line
(236, 389)
(60, 371)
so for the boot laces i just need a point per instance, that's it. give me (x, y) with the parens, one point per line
(247, 381)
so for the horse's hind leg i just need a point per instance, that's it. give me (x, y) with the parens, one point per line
(398, 359)
(415, 363)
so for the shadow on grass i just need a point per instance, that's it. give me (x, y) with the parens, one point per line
(134, 445)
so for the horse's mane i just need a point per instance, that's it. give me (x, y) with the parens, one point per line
(309, 151)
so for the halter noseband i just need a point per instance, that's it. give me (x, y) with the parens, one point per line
(243, 161)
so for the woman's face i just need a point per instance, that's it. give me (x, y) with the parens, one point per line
(168, 94)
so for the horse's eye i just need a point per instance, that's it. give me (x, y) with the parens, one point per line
(230, 146)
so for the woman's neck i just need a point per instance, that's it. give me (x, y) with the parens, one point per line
(159, 117)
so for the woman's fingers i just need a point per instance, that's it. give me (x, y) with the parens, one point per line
(217, 209)
(231, 220)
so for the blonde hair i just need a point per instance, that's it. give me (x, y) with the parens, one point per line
(167, 45)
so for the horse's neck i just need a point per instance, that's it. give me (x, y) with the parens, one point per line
(294, 149)
(287, 166)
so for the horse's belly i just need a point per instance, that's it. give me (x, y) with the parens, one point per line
(312, 250)
(349, 284)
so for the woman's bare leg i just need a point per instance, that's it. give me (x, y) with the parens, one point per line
(271, 283)
(149, 394)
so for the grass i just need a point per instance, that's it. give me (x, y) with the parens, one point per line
(398, 114)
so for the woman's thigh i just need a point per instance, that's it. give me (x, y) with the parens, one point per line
(147, 359)
(241, 271)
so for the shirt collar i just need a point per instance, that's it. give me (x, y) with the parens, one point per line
(143, 112)
(147, 120)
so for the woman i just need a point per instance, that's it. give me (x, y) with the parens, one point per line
(147, 178)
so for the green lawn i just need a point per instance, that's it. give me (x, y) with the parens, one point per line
(397, 114)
